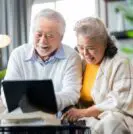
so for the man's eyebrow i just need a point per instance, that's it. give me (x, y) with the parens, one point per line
(49, 33)
(39, 31)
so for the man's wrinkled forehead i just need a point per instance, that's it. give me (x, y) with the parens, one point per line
(46, 25)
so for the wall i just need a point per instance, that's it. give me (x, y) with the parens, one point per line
(114, 21)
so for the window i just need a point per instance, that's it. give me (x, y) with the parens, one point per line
(72, 10)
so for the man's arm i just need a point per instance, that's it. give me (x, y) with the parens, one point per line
(12, 73)
(13, 69)
(71, 83)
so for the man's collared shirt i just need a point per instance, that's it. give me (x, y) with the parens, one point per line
(59, 54)
(64, 68)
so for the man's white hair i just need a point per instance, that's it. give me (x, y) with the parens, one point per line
(51, 15)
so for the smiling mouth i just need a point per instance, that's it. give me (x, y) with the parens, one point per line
(44, 48)
(92, 58)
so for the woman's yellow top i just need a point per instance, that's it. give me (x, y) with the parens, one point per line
(88, 81)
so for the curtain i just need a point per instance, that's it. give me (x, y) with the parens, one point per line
(15, 22)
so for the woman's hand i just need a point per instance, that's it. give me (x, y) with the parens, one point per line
(74, 114)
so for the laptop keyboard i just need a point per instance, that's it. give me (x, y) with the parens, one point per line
(76, 123)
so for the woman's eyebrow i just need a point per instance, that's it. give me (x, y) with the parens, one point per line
(90, 46)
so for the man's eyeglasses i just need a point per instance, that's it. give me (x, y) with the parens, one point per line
(47, 35)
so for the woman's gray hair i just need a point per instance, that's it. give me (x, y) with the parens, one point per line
(51, 15)
(95, 30)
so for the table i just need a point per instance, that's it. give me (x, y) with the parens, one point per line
(48, 129)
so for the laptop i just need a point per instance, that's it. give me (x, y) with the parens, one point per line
(30, 95)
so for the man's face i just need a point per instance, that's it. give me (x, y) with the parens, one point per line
(92, 52)
(47, 38)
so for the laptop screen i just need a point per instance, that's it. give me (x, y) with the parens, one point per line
(30, 95)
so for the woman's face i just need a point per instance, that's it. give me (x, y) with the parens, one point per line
(92, 52)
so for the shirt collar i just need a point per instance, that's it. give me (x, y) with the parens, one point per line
(60, 54)
(32, 56)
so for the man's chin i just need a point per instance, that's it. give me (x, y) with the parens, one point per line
(46, 53)
(44, 56)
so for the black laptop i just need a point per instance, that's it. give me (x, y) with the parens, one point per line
(30, 95)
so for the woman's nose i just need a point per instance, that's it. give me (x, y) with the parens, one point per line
(86, 51)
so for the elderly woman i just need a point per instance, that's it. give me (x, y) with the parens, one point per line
(108, 82)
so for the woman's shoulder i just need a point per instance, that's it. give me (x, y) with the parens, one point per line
(120, 57)
(117, 62)
(117, 59)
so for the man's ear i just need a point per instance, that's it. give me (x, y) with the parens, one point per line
(61, 37)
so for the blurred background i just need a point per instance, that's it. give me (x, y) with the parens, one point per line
(17, 15)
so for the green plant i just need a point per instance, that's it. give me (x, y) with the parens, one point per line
(2, 74)
(127, 50)
(127, 11)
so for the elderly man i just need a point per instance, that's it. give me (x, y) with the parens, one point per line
(48, 58)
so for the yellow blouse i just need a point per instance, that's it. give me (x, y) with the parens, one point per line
(88, 81)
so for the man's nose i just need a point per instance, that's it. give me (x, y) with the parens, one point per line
(43, 39)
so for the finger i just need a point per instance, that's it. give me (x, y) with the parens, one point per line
(70, 115)
(74, 119)
(65, 115)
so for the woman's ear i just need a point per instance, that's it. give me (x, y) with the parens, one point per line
(75, 48)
